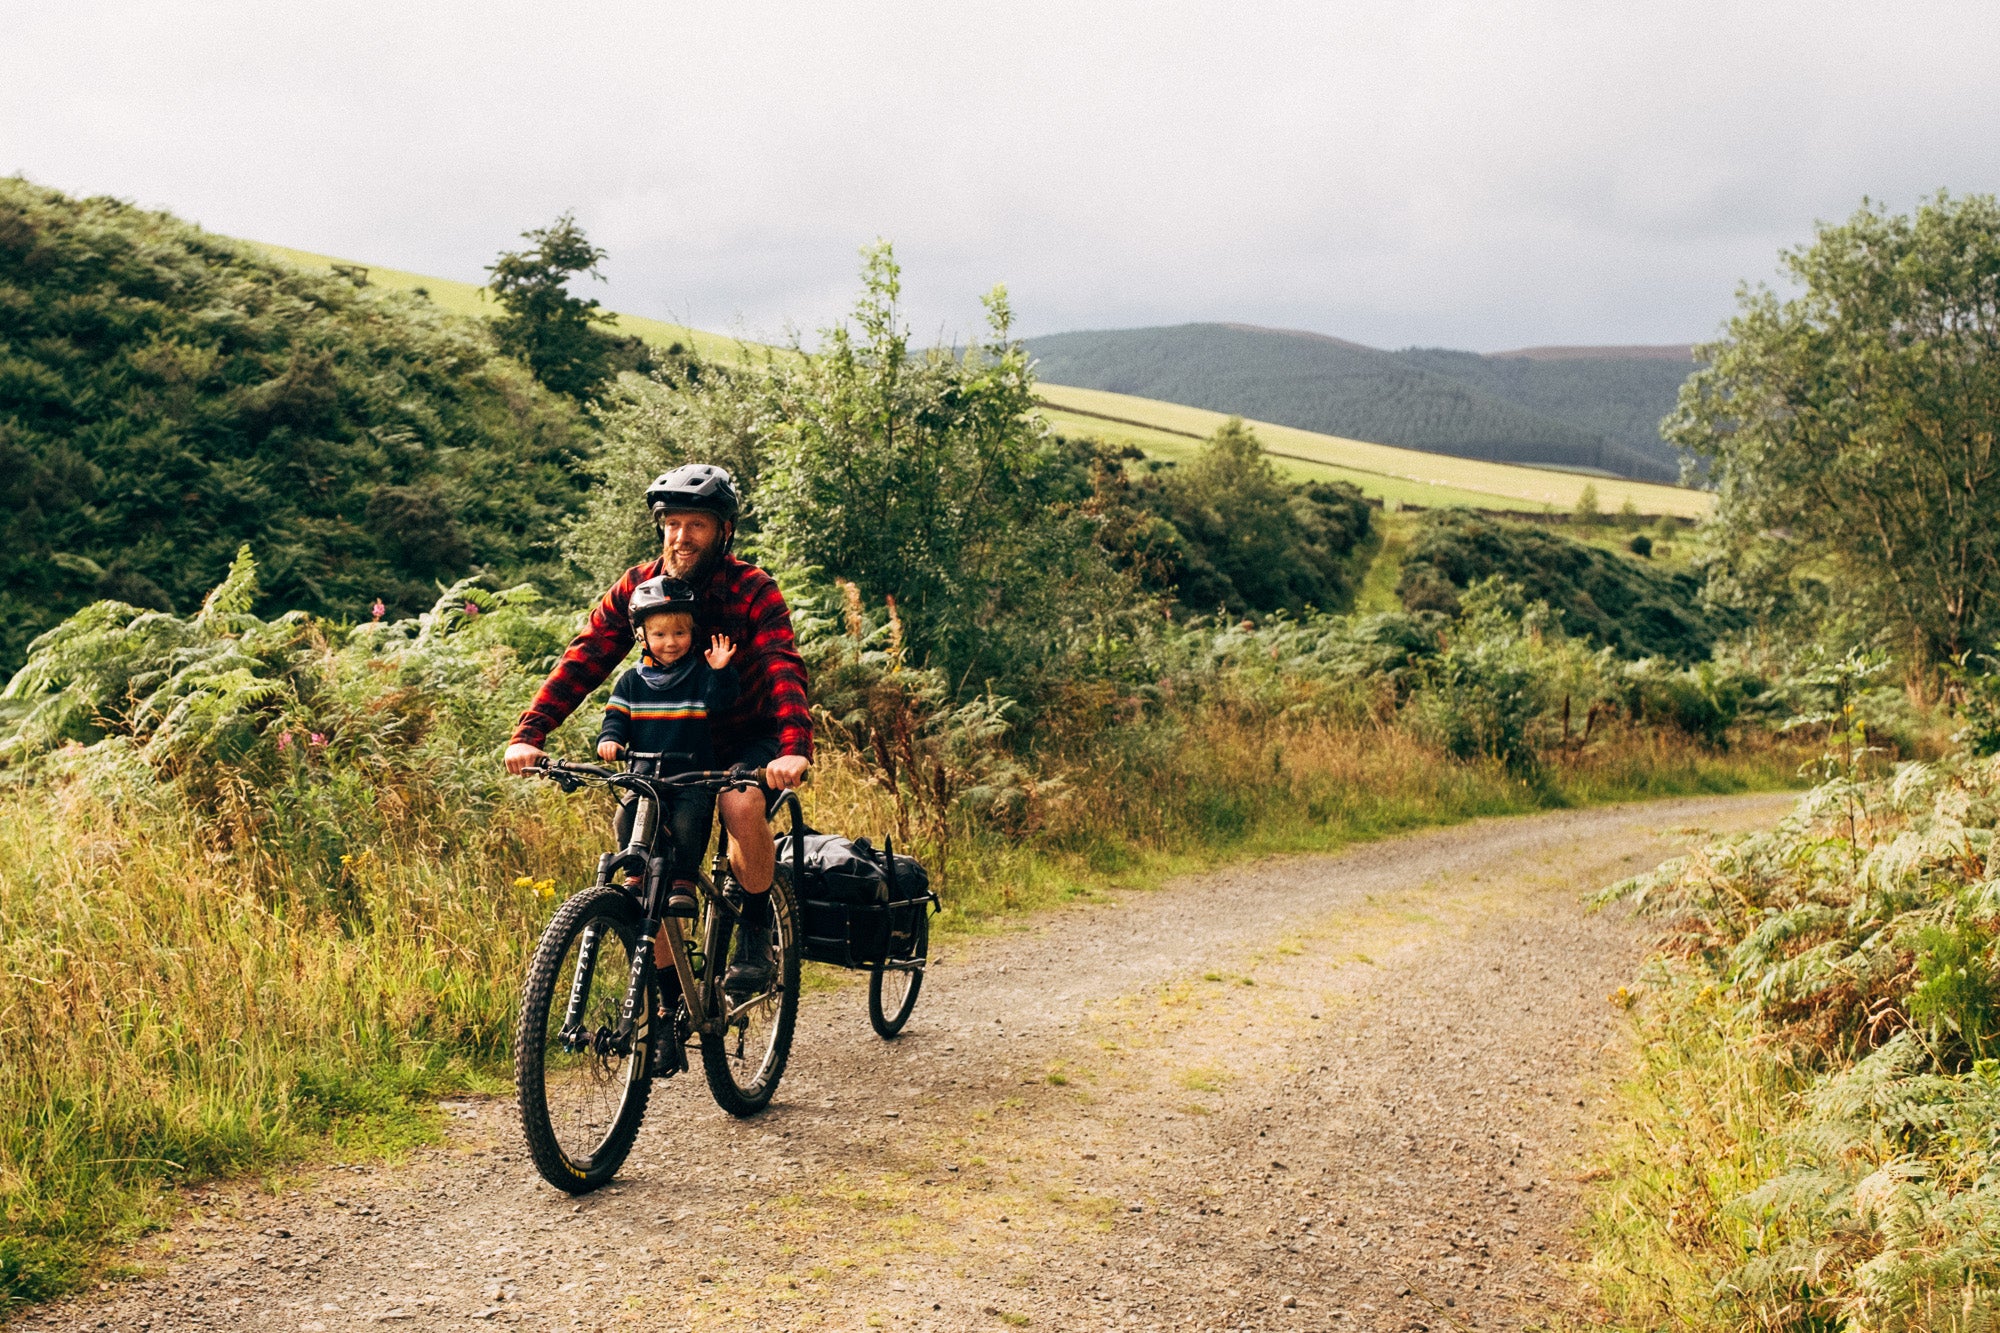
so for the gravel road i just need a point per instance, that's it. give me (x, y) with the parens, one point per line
(1321, 1092)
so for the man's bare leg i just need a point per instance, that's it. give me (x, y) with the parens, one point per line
(753, 855)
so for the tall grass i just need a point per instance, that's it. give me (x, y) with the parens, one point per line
(1701, 1123)
(185, 997)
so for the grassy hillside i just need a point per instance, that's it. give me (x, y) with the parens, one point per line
(1383, 471)
(464, 298)
(1516, 411)
(167, 394)
(1632, 606)
(1172, 431)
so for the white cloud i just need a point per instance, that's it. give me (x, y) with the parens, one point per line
(1461, 174)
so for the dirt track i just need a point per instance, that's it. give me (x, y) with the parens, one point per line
(1341, 1092)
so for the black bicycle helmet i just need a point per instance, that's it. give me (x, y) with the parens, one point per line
(694, 486)
(650, 598)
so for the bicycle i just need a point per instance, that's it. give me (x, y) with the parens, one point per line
(590, 1011)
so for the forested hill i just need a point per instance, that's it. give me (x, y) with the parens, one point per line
(167, 394)
(1571, 407)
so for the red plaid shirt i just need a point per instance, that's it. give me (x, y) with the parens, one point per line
(739, 600)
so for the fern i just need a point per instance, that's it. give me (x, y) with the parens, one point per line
(1866, 927)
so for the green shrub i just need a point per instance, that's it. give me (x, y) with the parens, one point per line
(1242, 538)
(1504, 670)
(1957, 995)
(1702, 701)
(1634, 609)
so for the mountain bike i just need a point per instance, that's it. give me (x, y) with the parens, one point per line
(592, 1012)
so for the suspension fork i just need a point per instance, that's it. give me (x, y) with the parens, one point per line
(579, 986)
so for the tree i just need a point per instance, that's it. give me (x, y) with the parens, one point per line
(932, 479)
(1250, 540)
(648, 426)
(1851, 428)
(1587, 512)
(556, 334)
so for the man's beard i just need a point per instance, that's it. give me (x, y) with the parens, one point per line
(699, 569)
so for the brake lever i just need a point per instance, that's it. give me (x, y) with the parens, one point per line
(548, 771)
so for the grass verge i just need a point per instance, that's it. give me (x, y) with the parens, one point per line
(1698, 1121)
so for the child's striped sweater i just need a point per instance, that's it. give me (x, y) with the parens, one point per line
(655, 709)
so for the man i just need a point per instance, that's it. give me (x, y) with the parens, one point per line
(768, 727)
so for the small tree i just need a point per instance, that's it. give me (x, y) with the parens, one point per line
(931, 479)
(555, 333)
(1587, 512)
(1851, 430)
(1253, 541)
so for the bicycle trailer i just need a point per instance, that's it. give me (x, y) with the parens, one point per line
(863, 907)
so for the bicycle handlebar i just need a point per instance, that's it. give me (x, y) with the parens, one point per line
(570, 773)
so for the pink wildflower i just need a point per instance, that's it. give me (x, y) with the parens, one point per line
(380, 608)
(284, 740)
(471, 608)
(319, 740)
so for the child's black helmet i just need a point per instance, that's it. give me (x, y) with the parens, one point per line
(694, 486)
(655, 596)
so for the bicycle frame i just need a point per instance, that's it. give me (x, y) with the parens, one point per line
(708, 1009)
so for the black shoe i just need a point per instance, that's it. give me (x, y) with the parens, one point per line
(668, 1054)
(680, 898)
(668, 1045)
(750, 961)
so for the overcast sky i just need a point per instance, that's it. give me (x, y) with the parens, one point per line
(1479, 175)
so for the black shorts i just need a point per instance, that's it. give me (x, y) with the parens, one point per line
(755, 752)
(684, 827)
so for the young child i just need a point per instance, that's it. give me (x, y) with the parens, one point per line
(663, 706)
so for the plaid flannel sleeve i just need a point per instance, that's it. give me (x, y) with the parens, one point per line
(776, 674)
(591, 656)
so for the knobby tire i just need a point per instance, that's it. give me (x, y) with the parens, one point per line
(734, 1097)
(544, 999)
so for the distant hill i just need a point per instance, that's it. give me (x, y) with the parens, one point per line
(1589, 408)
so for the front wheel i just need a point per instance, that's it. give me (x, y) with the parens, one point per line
(894, 983)
(747, 1058)
(582, 1091)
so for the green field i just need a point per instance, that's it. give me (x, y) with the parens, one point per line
(1409, 475)
(1178, 448)
(1171, 431)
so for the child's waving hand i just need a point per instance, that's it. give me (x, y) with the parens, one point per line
(720, 650)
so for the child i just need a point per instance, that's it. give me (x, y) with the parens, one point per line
(663, 706)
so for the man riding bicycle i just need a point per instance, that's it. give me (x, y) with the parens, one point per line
(768, 726)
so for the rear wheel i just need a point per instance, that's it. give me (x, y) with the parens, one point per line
(747, 1058)
(582, 1093)
(893, 985)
